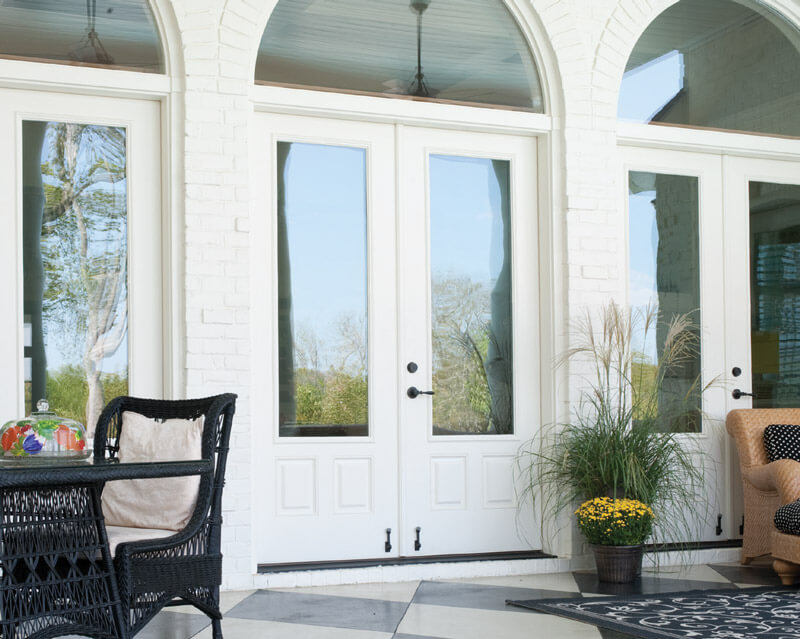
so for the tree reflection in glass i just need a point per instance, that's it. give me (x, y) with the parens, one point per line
(470, 244)
(75, 265)
(322, 290)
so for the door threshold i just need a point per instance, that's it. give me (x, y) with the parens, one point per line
(401, 561)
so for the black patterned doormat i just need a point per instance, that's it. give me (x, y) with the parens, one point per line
(758, 613)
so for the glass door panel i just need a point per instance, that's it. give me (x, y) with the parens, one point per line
(322, 290)
(75, 259)
(664, 276)
(472, 336)
(775, 293)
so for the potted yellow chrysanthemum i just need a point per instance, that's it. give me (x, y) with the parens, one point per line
(616, 530)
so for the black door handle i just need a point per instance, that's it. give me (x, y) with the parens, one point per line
(738, 394)
(413, 392)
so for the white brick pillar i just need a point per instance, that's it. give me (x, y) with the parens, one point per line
(216, 243)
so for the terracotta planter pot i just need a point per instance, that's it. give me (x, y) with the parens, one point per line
(618, 564)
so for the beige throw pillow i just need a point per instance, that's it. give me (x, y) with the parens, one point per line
(154, 503)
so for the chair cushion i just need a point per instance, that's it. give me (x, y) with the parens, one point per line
(782, 441)
(121, 534)
(165, 504)
(787, 518)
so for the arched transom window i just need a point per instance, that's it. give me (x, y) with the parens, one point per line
(716, 64)
(106, 33)
(448, 50)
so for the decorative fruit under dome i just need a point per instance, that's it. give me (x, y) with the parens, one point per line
(44, 435)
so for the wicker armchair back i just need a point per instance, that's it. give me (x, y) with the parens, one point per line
(185, 567)
(759, 482)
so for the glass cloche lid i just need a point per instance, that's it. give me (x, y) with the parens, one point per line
(43, 435)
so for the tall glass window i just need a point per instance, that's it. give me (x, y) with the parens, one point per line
(119, 33)
(75, 265)
(715, 64)
(470, 245)
(322, 290)
(449, 50)
(665, 281)
(775, 293)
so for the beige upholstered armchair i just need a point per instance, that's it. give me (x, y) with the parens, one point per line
(761, 479)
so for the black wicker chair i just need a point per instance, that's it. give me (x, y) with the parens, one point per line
(185, 567)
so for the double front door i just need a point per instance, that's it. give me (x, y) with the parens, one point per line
(718, 236)
(399, 351)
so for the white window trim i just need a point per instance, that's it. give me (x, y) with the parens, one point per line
(708, 141)
(23, 74)
(367, 108)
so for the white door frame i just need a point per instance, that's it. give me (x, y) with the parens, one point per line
(274, 453)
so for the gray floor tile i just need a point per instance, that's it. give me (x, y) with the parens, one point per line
(173, 625)
(588, 583)
(321, 610)
(761, 574)
(482, 597)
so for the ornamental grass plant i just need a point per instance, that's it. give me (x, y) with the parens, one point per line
(624, 439)
(615, 522)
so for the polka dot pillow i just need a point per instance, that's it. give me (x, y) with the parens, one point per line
(787, 518)
(782, 441)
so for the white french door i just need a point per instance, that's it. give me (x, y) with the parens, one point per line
(675, 264)
(742, 214)
(762, 287)
(80, 195)
(401, 257)
(468, 237)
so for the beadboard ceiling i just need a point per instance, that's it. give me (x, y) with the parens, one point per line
(472, 50)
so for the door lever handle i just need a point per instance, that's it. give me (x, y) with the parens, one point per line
(738, 394)
(413, 392)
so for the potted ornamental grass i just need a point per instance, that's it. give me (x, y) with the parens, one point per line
(625, 440)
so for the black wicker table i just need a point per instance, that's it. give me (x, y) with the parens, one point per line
(58, 575)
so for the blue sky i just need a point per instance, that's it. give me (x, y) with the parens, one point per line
(647, 88)
(326, 213)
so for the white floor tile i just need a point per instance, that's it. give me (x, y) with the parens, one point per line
(250, 629)
(467, 623)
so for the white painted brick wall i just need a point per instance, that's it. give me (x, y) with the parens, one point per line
(588, 42)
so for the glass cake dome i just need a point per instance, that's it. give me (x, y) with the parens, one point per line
(44, 435)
